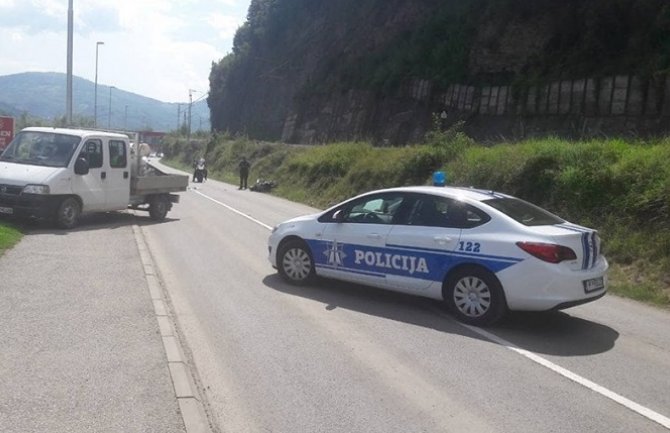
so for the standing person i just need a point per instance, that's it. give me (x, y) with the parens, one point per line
(244, 172)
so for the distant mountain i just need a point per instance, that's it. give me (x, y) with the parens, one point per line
(42, 94)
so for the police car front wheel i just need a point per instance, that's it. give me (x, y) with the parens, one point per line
(475, 296)
(295, 262)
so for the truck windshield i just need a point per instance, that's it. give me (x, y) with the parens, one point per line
(41, 148)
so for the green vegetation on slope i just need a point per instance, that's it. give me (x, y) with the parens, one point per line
(619, 187)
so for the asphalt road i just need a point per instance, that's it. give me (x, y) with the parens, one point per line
(335, 357)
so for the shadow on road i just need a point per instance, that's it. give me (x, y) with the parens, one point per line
(88, 222)
(551, 333)
(556, 333)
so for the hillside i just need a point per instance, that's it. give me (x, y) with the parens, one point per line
(319, 71)
(42, 95)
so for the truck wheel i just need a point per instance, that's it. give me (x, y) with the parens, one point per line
(68, 213)
(158, 207)
(475, 296)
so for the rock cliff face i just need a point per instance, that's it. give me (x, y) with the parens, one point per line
(314, 71)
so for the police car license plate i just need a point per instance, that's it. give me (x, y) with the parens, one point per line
(593, 284)
(6, 210)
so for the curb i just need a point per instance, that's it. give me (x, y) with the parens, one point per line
(190, 402)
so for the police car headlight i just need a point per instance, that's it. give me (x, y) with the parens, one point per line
(36, 189)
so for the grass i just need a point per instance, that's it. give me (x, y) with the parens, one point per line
(9, 236)
(643, 281)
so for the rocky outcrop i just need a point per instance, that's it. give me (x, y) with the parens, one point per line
(314, 71)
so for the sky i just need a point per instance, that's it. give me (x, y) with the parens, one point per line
(155, 48)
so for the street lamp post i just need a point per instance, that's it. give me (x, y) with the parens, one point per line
(95, 103)
(125, 118)
(109, 119)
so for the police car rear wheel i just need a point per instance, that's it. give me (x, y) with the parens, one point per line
(295, 263)
(475, 296)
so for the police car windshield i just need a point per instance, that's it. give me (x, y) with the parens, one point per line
(41, 148)
(523, 212)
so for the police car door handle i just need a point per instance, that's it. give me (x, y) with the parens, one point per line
(374, 236)
(442, 239)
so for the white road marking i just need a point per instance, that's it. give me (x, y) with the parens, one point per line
(249, 217)
(635, 407)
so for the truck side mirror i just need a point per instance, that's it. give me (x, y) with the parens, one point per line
(81, 166)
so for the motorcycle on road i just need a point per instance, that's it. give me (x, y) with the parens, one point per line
(200, 171)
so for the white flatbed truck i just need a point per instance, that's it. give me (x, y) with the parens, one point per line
(60, 173)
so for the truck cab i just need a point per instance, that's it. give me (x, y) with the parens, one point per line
(59, 173)
(106, 186)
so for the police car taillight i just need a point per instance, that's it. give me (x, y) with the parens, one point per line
(551, 253)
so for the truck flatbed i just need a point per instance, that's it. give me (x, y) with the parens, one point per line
(155, 181)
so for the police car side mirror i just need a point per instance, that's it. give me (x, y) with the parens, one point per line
(338, 216)
(81, 166)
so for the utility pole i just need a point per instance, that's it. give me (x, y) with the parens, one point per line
(190, 103)
(109, 119)
(178, 117)
(68, 97)
(95, 100)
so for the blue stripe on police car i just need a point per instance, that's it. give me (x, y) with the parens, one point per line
(414, 262)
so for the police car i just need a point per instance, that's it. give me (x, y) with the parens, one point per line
(481, 252)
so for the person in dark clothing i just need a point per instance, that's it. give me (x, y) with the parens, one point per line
(199, 168)
(244, 172)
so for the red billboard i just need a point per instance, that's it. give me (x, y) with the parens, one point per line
(6, 131)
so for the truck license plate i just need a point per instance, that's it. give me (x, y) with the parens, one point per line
(593, 285)
(6, 210)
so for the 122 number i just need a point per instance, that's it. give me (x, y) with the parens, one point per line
(470, 247)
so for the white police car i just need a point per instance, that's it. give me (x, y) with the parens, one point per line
(481, 252)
